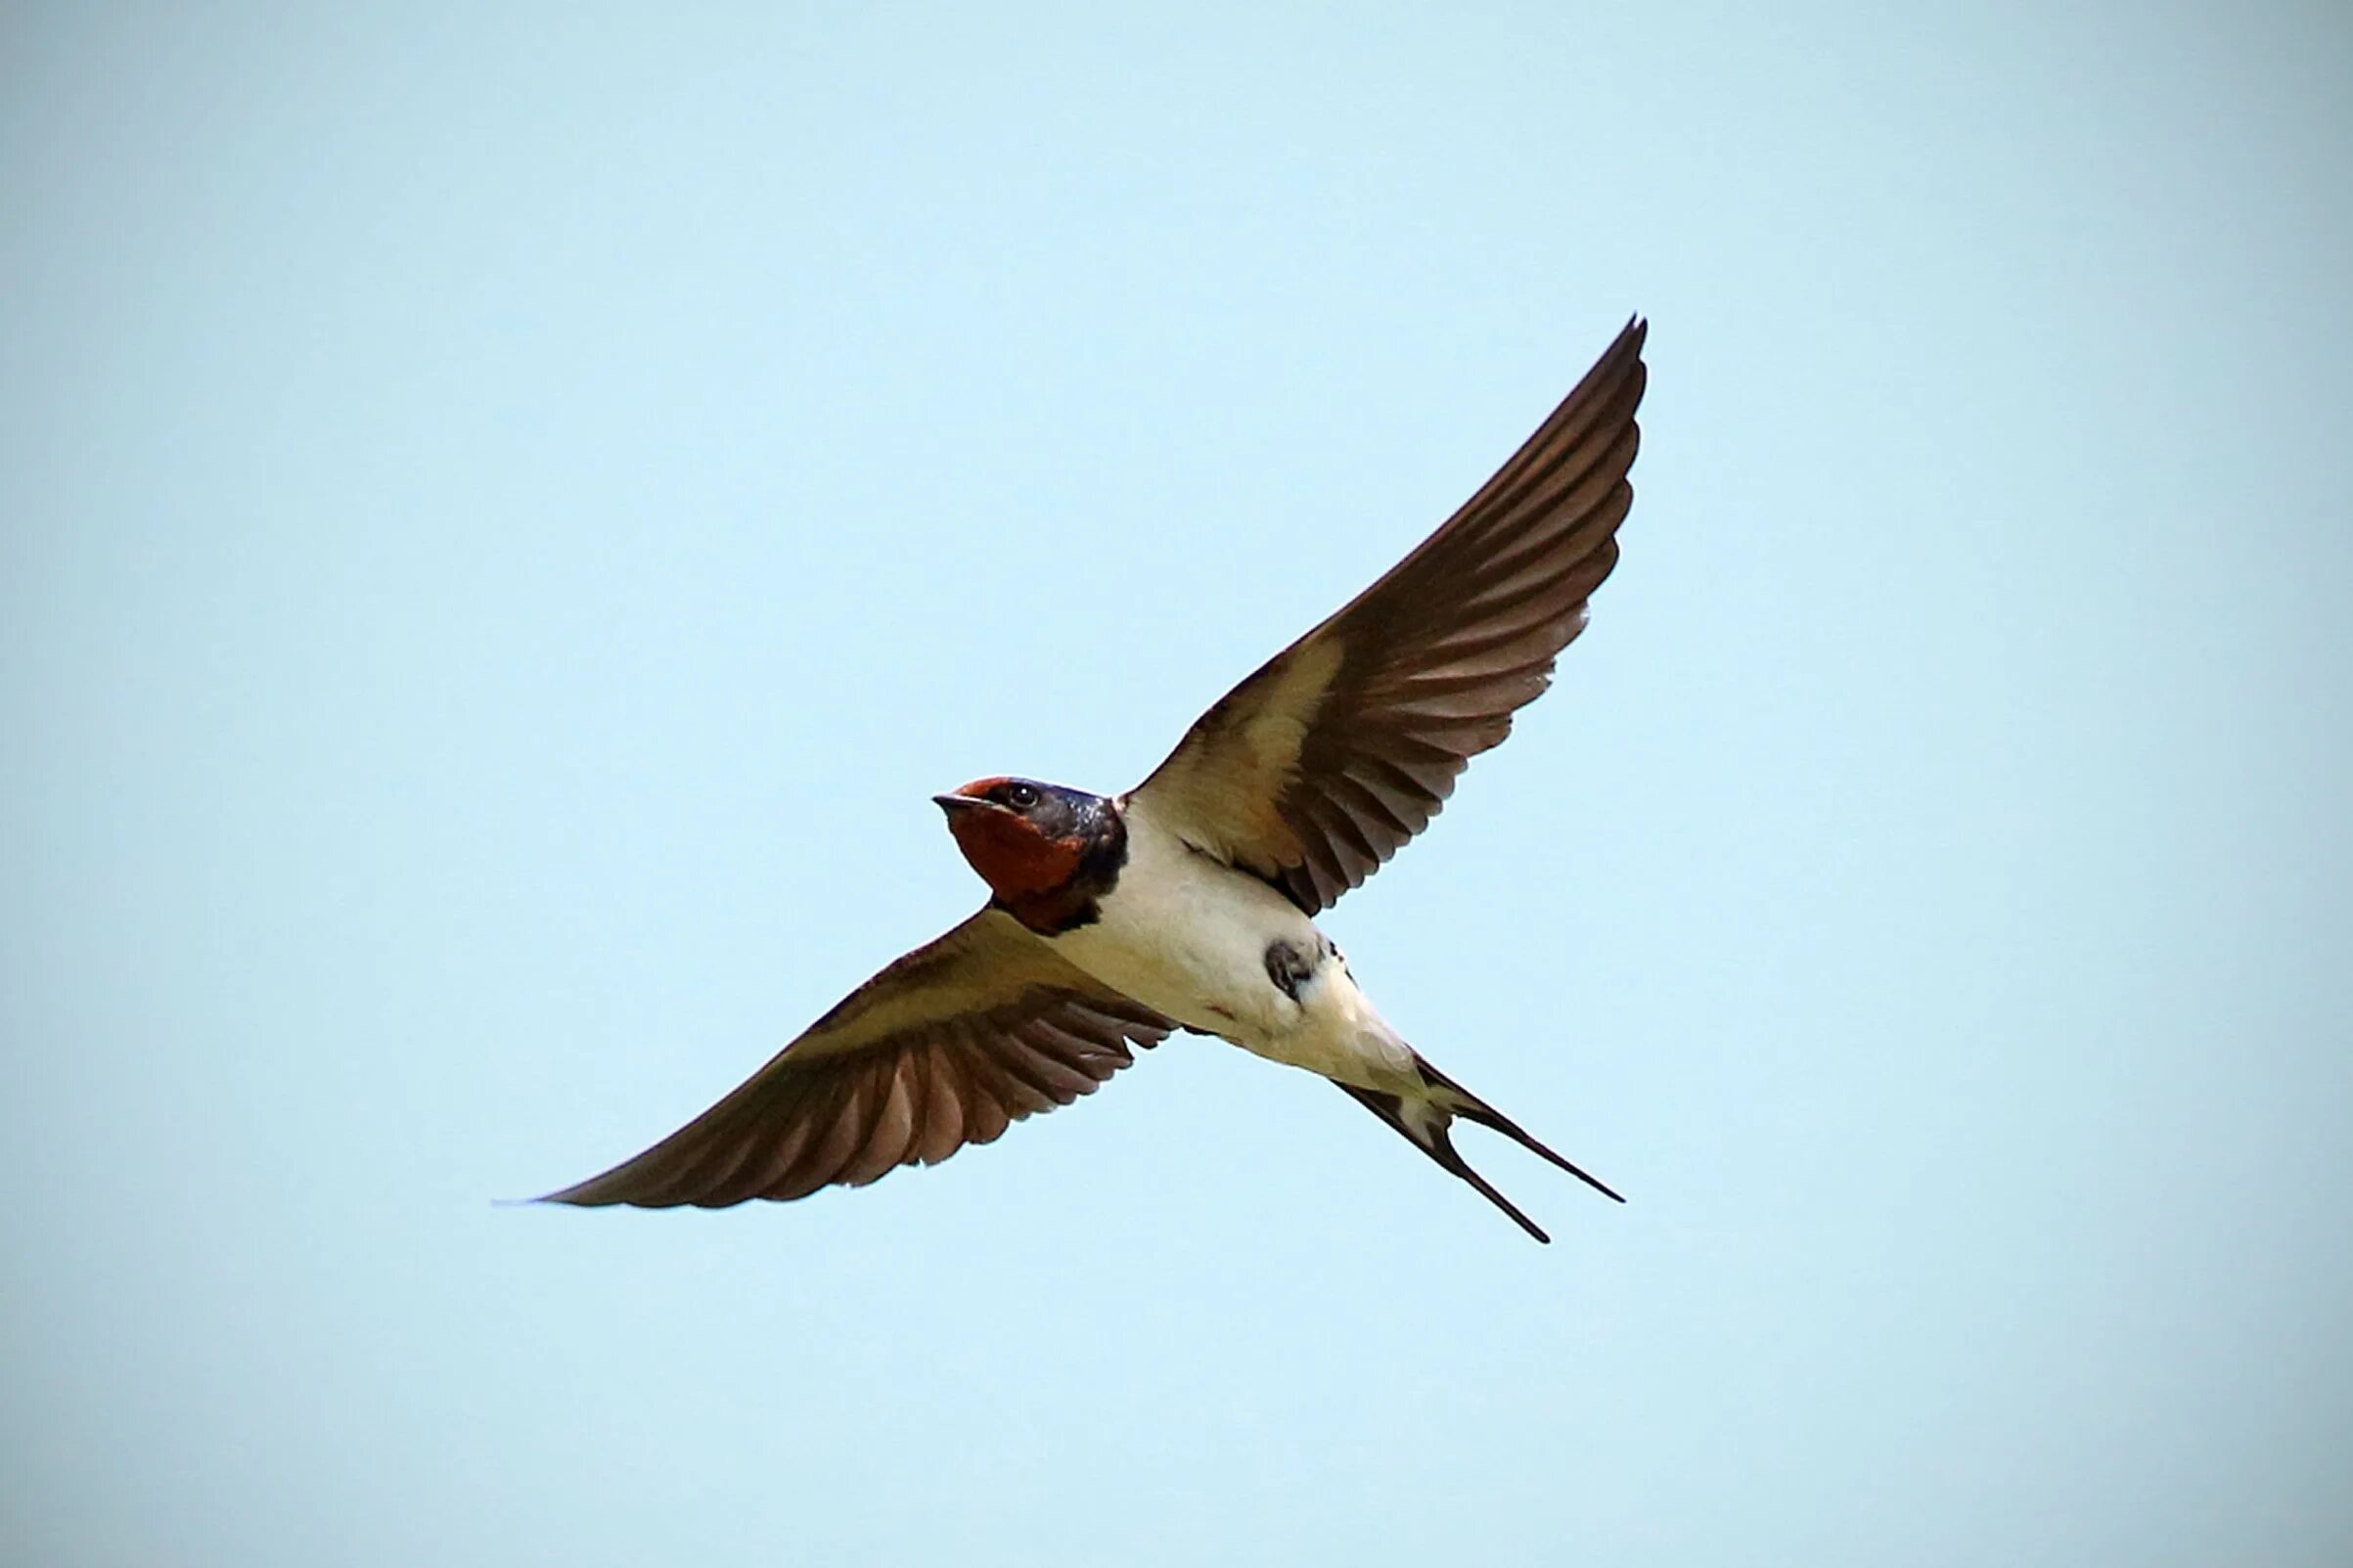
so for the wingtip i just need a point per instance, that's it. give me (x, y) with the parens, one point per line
(578, 1196)
(533, 1202)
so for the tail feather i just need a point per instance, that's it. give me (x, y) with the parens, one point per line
(1468, 1105)
(1427, 1133)
(1424, 1122)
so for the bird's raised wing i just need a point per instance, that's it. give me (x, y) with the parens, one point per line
(1315, 768)
(947, 1047)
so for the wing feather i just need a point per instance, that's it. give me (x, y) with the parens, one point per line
(1320, 766)
(948, 1046)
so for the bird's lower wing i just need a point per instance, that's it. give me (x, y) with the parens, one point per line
(948, 1046)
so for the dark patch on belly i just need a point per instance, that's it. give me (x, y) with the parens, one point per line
(1290, 968)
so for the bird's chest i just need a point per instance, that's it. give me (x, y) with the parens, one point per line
(1190, 937)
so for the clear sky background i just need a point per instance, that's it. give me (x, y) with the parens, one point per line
(509, 512)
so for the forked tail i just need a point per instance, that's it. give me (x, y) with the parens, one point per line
(1424, 1122)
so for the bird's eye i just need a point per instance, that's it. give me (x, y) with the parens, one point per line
(1021, 796)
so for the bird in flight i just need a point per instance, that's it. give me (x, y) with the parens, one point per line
(1190, 902)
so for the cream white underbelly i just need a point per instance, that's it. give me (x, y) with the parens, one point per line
(1187, 936)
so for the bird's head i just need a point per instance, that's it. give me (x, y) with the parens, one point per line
(1027, 838)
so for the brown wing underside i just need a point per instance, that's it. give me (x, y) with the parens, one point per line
(948, 1046)
(1316, 768)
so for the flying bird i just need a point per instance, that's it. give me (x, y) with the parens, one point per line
(1190, 902)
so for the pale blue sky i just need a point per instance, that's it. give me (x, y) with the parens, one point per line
(509, 512)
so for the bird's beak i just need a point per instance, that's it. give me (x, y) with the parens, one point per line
(952, 804)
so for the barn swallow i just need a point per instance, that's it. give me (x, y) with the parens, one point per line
(1190, 902)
